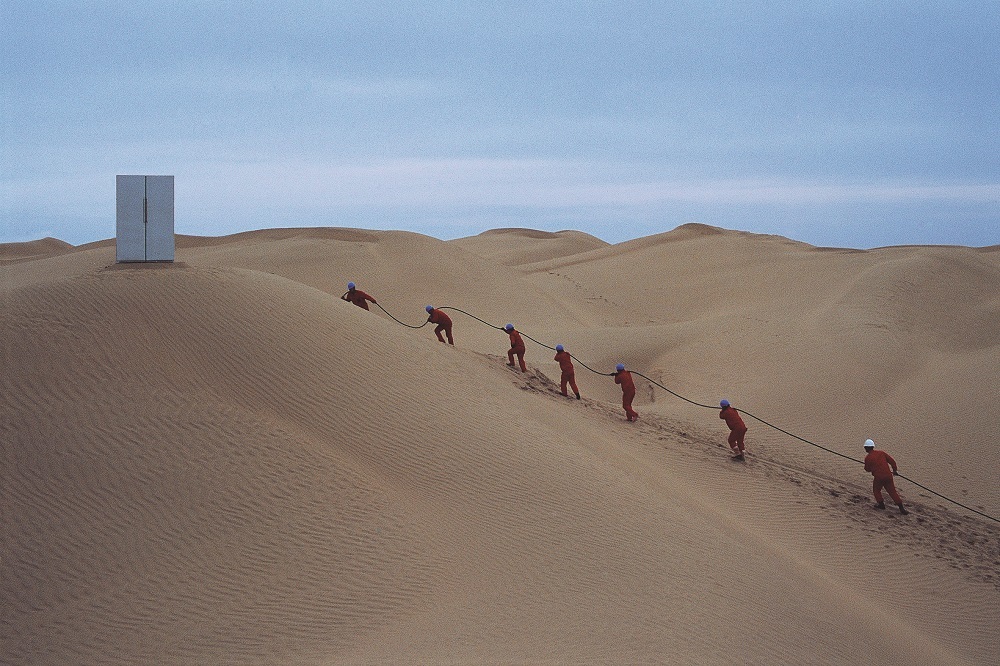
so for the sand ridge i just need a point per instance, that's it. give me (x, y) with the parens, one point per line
(17, 252)
(515, 247)
(221, 462)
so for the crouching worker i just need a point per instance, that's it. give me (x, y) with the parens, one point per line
(568, 372)
(737, 429)
(356, 296)
(443, 322)
(516, 347)
(883, 468)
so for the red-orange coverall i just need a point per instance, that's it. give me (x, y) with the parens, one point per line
(516, 349)
(628, 393)
(568, 372)
(443, 322)
(738, 429)
(882, 466)
(358, 297)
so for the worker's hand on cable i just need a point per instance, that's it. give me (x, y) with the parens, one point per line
(895, 472)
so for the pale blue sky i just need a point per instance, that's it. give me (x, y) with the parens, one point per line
(837, 123)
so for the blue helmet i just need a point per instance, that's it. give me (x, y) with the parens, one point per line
(559, 348)
(724, 403)
(620, 367)
(350, 285)
(509, 327)
(429, 308)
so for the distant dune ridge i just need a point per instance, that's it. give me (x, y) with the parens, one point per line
(15, 252)
(219, 461)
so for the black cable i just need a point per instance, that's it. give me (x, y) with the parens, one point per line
(501, 328)
(596, 372)
(469, 314)
(698, 404)
(801, 439)
(397, 321)
(678, 395)
(746, 413)
(967, 508)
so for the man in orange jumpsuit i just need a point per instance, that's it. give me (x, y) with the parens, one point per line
(568, 372)
(516, 347)
(737, 429)
(883, 468)
(624, 377)
(356, 296)
(443, 322)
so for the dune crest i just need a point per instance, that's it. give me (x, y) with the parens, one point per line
(281, 234)
(516, 247)
(12, 252)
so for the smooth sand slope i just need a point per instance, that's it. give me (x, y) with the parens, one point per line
(219, 461)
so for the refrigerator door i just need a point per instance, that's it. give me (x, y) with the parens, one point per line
(159, 218)
(130, 234)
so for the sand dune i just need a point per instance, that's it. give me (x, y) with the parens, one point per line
(843, 345)
(515, 247)
(219, 461)
(16, 252)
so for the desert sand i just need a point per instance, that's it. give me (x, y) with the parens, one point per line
(218, 461)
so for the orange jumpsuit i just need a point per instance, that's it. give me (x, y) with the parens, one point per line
(738, 429)
(568, 372)
(624, 378)
(516, 349)
(882, 466)
(443, 322)
(358, 297)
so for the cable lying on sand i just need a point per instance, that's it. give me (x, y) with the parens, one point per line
(729, 413)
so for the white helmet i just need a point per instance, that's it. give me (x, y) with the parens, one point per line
(869, 444)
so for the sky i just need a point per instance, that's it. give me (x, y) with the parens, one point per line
(838, 123)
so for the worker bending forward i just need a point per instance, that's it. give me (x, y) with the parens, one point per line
(356, 296)
(883, 468)
(568, 372)
(624, 377)
(443, 322)
(737, 429)
(516, 347)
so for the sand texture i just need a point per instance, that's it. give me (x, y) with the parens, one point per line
(218, 461)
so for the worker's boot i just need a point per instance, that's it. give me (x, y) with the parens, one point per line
(902, 509)
(880, 505)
